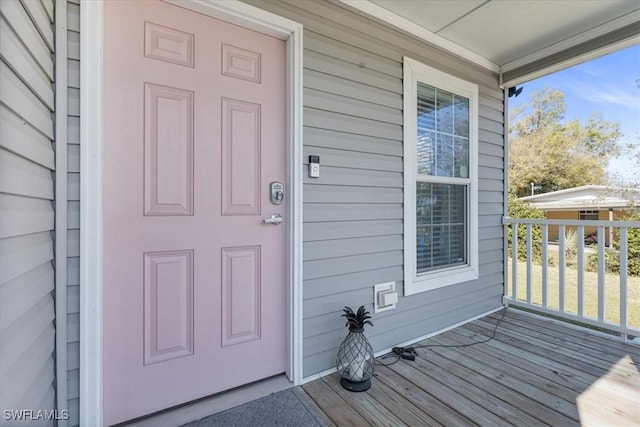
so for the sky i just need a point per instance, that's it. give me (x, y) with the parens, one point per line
(609, 85)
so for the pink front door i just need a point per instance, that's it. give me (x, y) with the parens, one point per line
(194, 134)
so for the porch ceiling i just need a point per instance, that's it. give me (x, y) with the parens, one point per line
(507, 35)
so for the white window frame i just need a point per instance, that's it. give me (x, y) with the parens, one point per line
(415, 72)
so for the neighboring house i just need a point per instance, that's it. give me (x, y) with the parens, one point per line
(588, 202)
(142, 146)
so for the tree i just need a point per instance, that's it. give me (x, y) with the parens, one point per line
(630, 150)
(555, 154)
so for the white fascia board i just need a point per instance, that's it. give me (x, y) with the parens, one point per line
(559, 66)
(586, 205)
(612, 25)
(599, 192)
(420, 32)
(585, 36)
(564, 191)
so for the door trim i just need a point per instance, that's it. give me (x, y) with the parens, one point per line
(91, 184)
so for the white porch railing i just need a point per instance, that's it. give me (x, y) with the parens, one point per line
(557, 282)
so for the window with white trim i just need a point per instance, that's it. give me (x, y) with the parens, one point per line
(589, 215)
(440, 179)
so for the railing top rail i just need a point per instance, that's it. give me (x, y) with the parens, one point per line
(576, 222)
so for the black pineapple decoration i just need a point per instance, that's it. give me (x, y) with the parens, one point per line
(355, 359)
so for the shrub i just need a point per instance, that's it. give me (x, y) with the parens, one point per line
(633, 244)
(570, 244)
(633, 247)
(611, 261)
(592, 262)
(519, 209)
(612, 255)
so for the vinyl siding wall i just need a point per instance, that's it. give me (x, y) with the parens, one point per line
(353, 213)
(27, 332)
(73, 210)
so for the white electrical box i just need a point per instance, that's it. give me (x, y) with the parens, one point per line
(385, 297)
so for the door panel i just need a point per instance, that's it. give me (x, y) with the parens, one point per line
(168, 305)
(168, 150)
(241, 186)
(194, 133)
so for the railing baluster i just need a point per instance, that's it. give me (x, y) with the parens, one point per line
(601, 273)
(623, 283)
(561, 262)
(545, 262)
(580, 270)
(514, 260)
(529, 263)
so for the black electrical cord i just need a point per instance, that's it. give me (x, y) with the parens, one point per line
(409, 353)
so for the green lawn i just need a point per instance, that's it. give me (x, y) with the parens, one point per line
(612, 292)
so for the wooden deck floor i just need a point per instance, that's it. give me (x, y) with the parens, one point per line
(533, 372)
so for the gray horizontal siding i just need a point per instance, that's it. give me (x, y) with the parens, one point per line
(353, 213)
(319, 137)
(27, 315)
(73, 211)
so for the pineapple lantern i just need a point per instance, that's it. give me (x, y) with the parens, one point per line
(355, 356)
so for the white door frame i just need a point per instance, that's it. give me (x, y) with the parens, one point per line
(91, 184)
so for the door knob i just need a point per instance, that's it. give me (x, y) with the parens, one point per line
(274, 220)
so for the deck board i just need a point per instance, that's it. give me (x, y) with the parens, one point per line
(364, 404)
(595, 350)
(545, 400)
(405, 410)
(586, 367)
(472, 388)
(532, 371)
(333, 406)
(531, 402)
(442, 413)
(454, 397)
(533, 365)
(593, 364)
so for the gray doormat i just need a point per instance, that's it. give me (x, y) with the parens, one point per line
(284, 408)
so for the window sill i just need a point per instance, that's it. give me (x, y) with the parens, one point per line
(440, 279)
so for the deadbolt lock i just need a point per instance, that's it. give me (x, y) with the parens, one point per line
(276, 192)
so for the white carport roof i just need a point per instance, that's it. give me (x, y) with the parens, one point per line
(585, 197)
(519, 39)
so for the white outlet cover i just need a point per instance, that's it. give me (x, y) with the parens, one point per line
(377, 289)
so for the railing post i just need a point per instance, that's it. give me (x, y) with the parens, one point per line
(580, 270)
(601, 273)
(561, 262)
(610, 228)
(545, 262)
(514, 260)
(529, 263)
(623, 283)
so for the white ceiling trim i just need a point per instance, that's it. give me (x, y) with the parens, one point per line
(596, 53)
(421, 32)
(592, 33)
